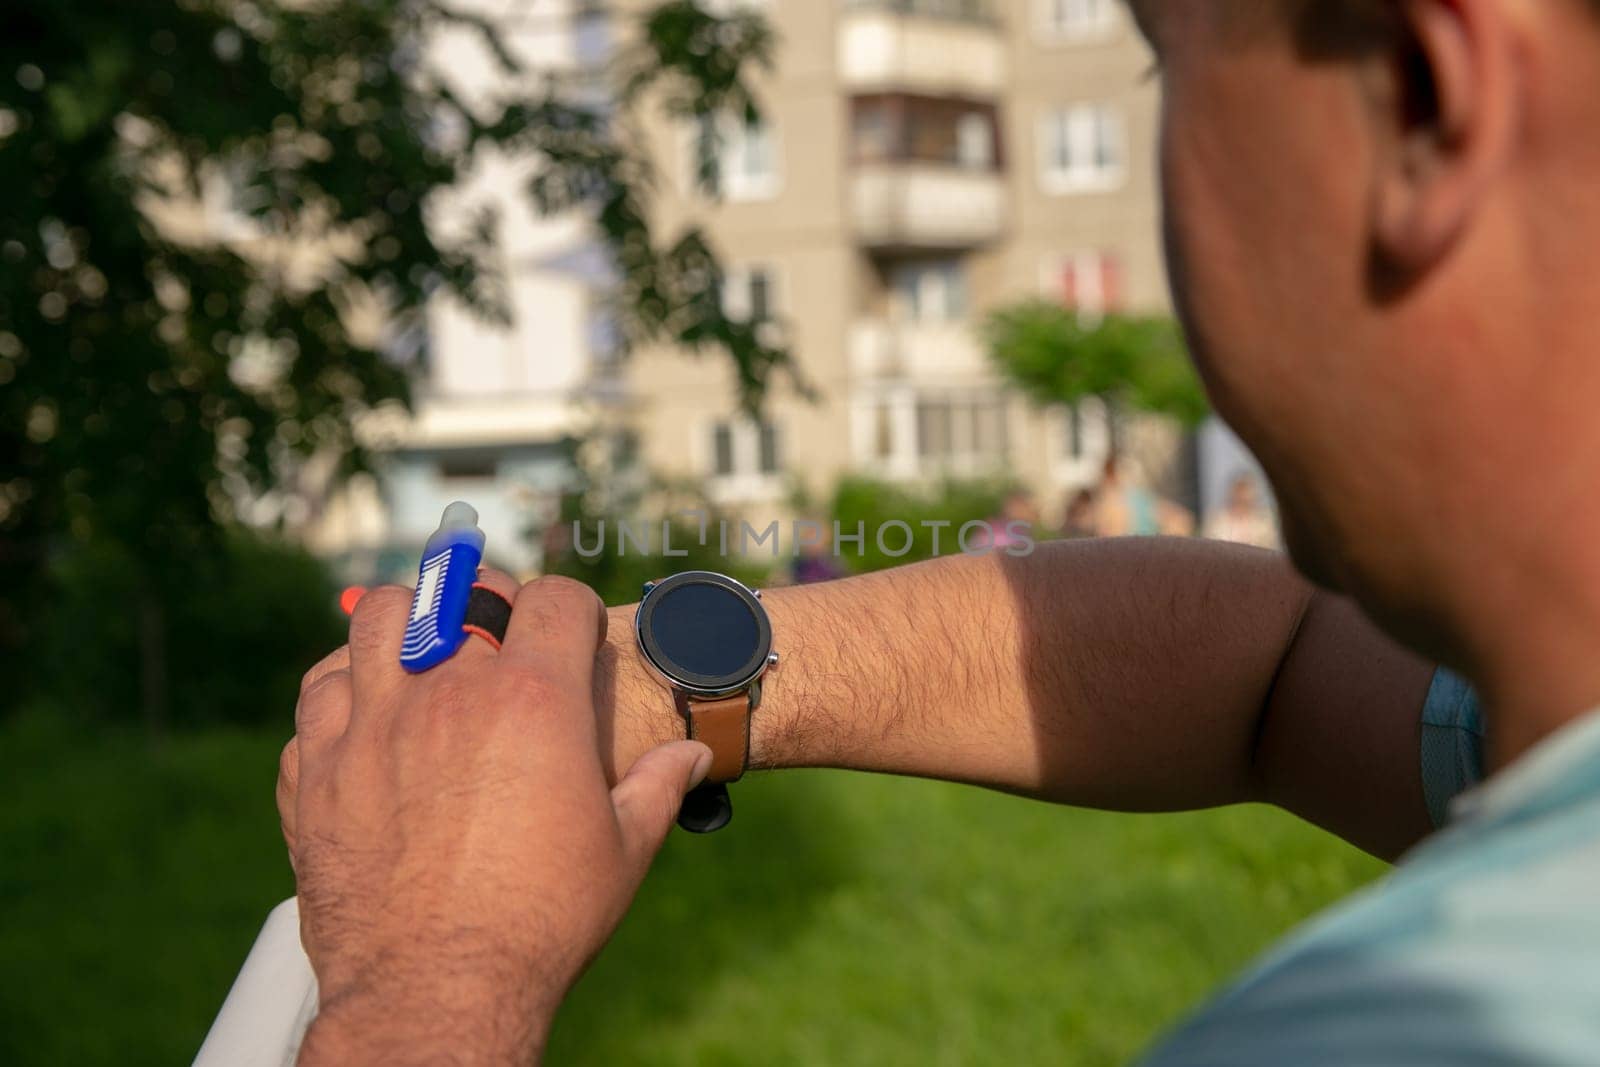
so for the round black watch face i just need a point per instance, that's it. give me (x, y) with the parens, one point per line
(705, 631)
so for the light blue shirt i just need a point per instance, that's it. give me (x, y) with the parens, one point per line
(1481, 947)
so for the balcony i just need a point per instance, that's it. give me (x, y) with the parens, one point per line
(951, 47)
(925, 402)
(929, 353)
(921, 206)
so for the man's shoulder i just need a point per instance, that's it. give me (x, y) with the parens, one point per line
(1480, 948)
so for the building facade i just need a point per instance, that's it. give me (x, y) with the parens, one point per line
(497, 407)
(919, 164)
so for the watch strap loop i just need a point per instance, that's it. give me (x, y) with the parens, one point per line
(722, 726)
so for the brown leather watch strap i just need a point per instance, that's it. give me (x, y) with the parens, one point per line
(722, 726)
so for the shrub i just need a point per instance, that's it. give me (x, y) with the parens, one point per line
(859, 500)
(237, 636)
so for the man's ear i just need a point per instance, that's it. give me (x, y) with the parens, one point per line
(1451, 116)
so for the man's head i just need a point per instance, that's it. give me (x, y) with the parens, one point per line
(1383, 230)
(1242, 495)
(1019, 506)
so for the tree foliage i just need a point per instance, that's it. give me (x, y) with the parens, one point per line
(935, 515)
(1057, 355)
(152, 375)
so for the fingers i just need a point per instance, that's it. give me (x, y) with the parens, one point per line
(322, 713)
(337, 660)
(288, 787)
(556, 626)
(377, 628)
(649, 795)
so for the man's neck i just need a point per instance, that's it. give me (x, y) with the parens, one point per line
(1535, 653)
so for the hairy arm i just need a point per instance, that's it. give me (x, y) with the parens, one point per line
(1131, 674)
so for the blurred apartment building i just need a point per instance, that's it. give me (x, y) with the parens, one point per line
(919, 164)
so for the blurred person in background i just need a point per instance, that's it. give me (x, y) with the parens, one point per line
(1244, 517)
(1382, 223)
(1078, 519)
(815, 560)
(1015, 525)
(1125, 507)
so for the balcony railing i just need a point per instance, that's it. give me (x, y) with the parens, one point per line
(925, 352)
(926, 206)
(964, 10)
(885, 47)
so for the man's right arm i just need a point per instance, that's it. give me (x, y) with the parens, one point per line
(1131, 674)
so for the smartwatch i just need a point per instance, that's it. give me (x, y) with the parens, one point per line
(708, 639)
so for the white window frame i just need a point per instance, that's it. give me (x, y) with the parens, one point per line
(946, 282)
(734, 185)
(1055, 25)
(1084, 469)
(736, 290)
(964, 457)
(1085, 123)
(896, 405)
(736, 297)
(747, 480)
(726, 8)
(975, 133)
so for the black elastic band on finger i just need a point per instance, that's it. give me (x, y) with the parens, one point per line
(488, 614)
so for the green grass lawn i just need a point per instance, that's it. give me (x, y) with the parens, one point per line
(840, 920)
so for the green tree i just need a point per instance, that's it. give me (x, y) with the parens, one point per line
(1057, 355)
(149, 379)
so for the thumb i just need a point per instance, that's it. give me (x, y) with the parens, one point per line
(649, 795)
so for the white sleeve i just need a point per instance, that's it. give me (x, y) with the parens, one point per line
(271, 1004)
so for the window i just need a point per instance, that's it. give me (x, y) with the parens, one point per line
(1082, 148)
(988, 430)
(760, 296)
(767, 454)
(882, 432)
(745, 452)
(934, 439)
(728, 8)
(466, 467)
(722, 449)
(1083, 440)
(908, 128)
(948, 9)
(1090, 281)
(872, 133)
(1088, 430)
(930, 290)
(975, 141)
(747, 160)
(961, 430)
(749, 294)
(1069, 20)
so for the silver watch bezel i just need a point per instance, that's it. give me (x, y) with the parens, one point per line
(746, 680)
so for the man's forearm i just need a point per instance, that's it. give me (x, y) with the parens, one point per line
(1133, 674)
